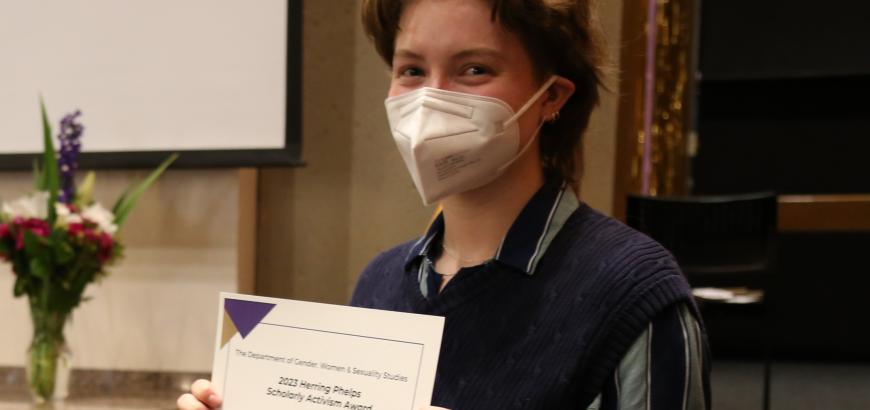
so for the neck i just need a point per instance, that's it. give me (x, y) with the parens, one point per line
(476, 221)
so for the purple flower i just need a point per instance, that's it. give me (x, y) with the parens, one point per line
(67, 161)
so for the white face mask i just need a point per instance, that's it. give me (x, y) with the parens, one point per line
(454, 142)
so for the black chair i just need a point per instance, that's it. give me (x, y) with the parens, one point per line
(726, 247)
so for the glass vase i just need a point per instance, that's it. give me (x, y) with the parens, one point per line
(49, 360)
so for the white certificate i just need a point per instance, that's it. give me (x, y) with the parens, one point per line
(286, 354)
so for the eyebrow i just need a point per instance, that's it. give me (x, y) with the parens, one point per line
(472, 52)
(404, 52)
(479, 52)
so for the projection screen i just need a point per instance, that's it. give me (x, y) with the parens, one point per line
(215, 80)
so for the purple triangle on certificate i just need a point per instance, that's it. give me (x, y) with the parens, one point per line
(246, 314)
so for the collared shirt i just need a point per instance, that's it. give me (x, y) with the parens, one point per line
(662, 369)
(522, 247)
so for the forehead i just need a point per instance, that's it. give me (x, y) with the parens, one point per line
(439, 26)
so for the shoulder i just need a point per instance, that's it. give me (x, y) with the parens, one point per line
(604, 244)
(381, 273)
(623, 279)
(606, 234)
(628, 276)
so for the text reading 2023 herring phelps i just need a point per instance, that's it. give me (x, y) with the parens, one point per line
(323, 399)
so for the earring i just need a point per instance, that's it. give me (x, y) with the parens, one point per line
(554, 117)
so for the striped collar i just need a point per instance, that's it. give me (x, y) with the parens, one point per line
(529, 236)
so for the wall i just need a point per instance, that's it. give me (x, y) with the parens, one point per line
(321, 223)
(600, 144)
(303, 213)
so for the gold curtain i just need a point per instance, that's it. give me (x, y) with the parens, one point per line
(672, 96)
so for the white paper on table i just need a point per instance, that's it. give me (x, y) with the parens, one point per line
(277, 354)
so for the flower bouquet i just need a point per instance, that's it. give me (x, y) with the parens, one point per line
(58, 240)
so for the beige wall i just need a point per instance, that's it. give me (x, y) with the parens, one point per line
(321, 223)
(318, 225)
(600, 144)
(304, 216)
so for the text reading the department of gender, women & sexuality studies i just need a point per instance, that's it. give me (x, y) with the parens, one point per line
(377, 374)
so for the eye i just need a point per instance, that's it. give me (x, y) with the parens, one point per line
(410, 72)
(476, 70)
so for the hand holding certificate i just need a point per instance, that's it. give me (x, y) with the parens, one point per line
(275, 353)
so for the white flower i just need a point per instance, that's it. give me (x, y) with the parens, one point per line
(65, 216)
(34, 205)
(103, 217)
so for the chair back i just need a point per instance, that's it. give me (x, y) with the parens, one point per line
(717, 240)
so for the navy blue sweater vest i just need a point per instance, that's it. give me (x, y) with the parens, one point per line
(542, 341)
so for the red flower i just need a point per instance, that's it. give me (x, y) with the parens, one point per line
(91, 235)
(76, 229)
(4, 233)
(37, 226)
(83, 230)
(87, 231)
(106, 246)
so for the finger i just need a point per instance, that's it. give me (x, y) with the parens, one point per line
(203, 391)
(188, 402)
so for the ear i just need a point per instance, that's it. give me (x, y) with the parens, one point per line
(556, 97)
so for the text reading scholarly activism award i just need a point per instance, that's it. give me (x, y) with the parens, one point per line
(285, 354)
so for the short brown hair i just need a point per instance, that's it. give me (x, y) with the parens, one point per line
(562, 38)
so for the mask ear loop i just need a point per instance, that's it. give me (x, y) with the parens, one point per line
(522, 110)
(531, 100)
(523, 150)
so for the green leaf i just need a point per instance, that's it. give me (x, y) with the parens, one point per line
(19, 266)
(34, 245)
(5, 247)
(21, 283)
(38, 257)
(40, 269)
(63, 252)
(63, 300)
(82, 281)
(49, 165)
(128, 200)
(38, 176)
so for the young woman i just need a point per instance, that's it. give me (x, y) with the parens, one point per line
(548, 304)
